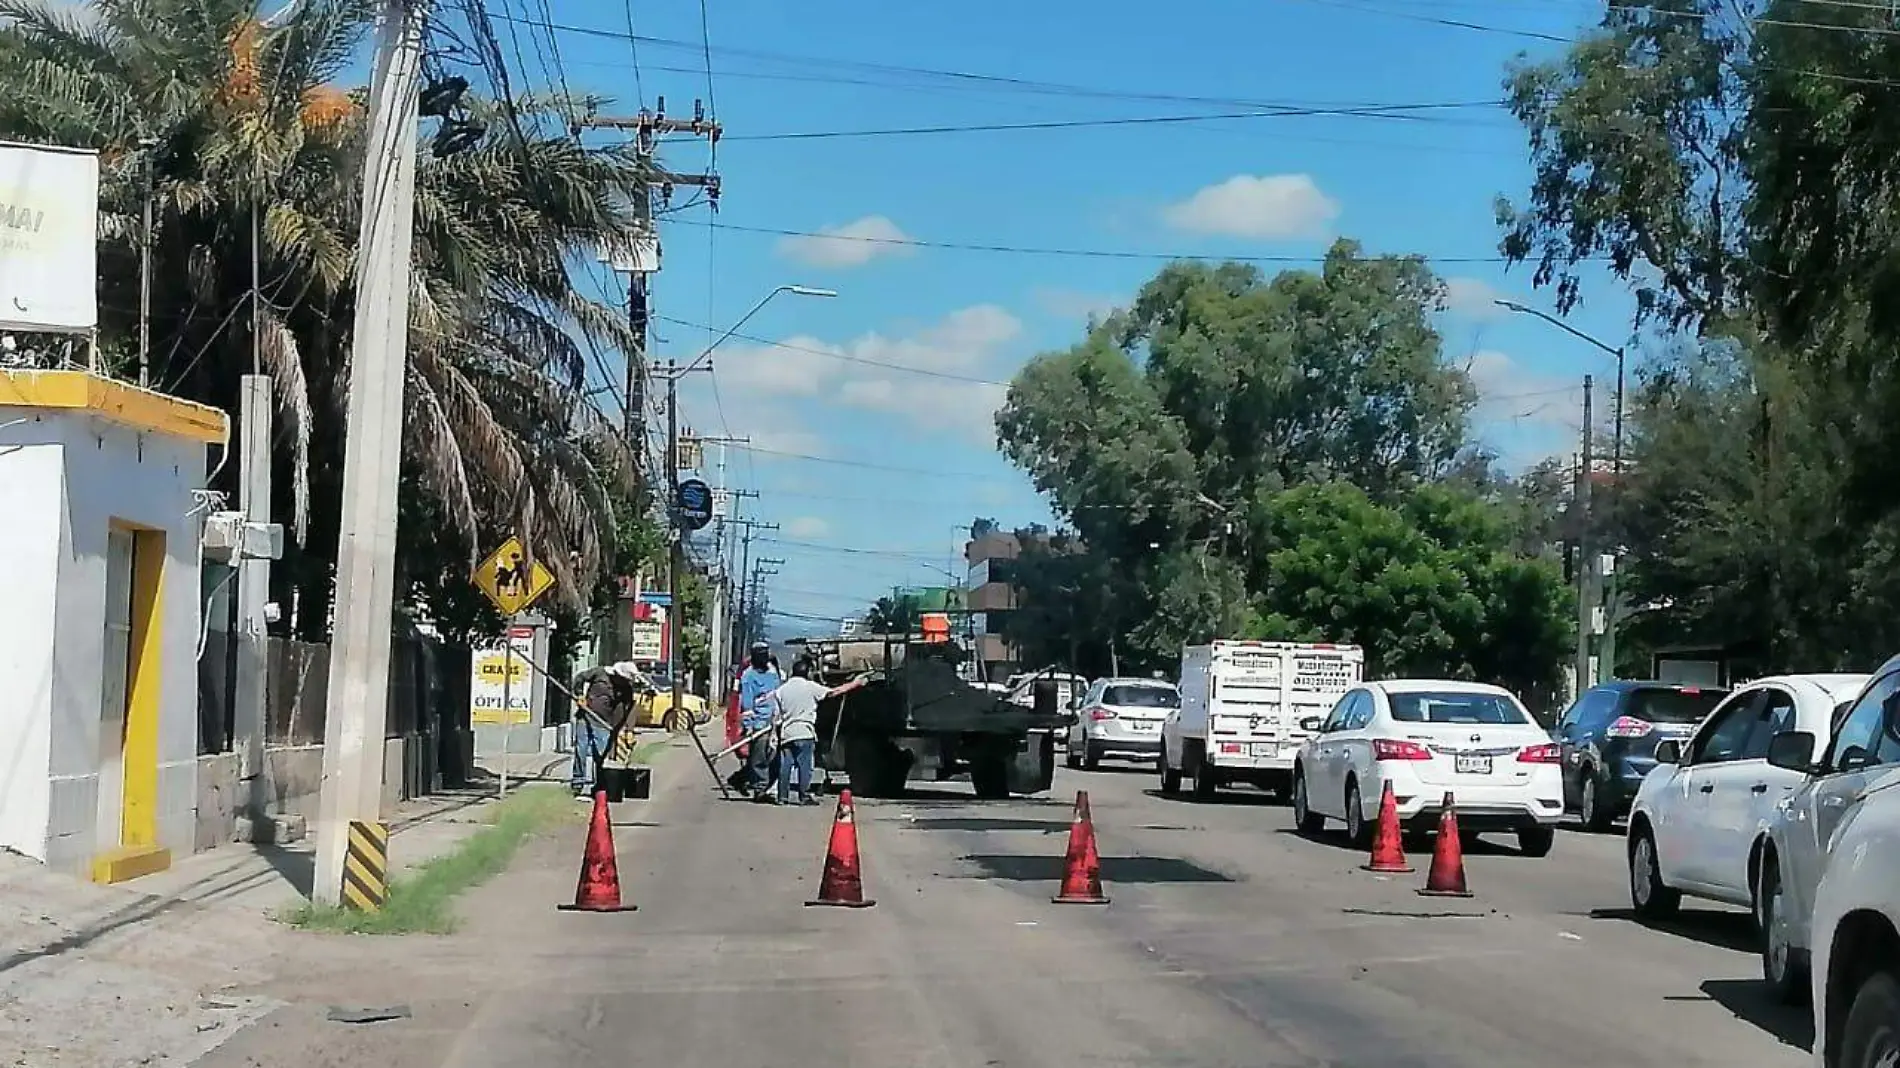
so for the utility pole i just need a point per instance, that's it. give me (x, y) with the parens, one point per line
(1586, 549)
(146, 146)
(715, 633)
(764, 569)
(354, 728)
(742, 618)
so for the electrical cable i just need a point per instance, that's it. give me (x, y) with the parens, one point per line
(1401, 112)
(1109, 254)
(762, 451)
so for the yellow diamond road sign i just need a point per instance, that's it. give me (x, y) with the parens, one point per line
(510, 581)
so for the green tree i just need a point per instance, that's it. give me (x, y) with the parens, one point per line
(1431, 587)
(892, 615)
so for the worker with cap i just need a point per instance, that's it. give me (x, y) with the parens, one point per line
(604, 699)
(756, 710)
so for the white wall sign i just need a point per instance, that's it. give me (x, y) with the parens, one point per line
(49, 229)
(648, 640)
(491, 667)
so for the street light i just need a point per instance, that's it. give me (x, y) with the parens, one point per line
(676, 564)
(1616, 447)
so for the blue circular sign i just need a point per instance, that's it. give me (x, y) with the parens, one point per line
(693, 500)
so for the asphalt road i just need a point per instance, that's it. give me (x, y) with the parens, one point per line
(1229, 942)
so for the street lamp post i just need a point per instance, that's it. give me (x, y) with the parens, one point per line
(1616, 445)
(676, 565)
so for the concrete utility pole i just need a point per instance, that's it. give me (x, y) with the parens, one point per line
(764, 569)
(1586, 552)
(715, 635)
(1616, 446)
(253, 591)
(366, 549)
(742, 618)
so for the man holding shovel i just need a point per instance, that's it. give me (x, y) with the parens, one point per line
(604, 699)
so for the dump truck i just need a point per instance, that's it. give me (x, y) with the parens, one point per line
(917, 720)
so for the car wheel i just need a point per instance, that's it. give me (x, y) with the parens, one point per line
(1305, 820)
(1781, 963)
(1071, 758)
(1091, 757)
(1357, 830)
(1170, 777)
(1590, 806)
(1650, 899)
(1536, 841)
(1870, 1038)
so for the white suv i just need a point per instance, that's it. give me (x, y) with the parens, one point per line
(1120, 717)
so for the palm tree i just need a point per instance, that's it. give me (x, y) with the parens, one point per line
(888, 616)
(255, 151)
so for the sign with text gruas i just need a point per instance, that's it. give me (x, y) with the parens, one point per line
(49, 232)
(500, 685)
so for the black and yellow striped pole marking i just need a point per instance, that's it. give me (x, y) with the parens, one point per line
(366, 867)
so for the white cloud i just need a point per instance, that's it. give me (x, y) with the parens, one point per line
(1266, 207)
(807, 526)
(958, 393)
(853, 244)
(1073, 304)
(1474, 299)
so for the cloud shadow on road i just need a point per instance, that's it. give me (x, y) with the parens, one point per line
(1012, 867)
(1724, 930)
(1225, 798)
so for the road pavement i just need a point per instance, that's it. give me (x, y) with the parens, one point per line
(1229, 942)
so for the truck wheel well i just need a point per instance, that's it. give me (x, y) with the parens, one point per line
(1864, 943)
(1639, 823)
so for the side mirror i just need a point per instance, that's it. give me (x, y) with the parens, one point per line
(1793, 750)
(1669, 752)
(1854, 759)
(1312, 724)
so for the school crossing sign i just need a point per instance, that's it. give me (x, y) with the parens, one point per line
(508, 579)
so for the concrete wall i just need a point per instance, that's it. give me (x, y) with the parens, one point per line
(75, 474)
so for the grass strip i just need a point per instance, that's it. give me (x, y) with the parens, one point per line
(420, 902)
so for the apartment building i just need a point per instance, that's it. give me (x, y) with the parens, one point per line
(991, 597)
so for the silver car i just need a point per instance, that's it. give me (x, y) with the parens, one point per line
(1120, 717)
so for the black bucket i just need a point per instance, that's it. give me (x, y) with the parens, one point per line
(623, 783)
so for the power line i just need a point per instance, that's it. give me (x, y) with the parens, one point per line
(633, 49)
(1401, 112)
(846, 357)
(1109, 254)
(760, 450)
(904, 554)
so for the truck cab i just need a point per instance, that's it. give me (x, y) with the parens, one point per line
(1242, 703)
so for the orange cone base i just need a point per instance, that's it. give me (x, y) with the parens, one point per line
(1389, 869)
(1444, 893)
(597, 908)
(1079, 899)
(863, 904)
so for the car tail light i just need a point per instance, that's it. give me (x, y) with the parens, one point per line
(1548, 753)
(1100, 714)
(1630, 727)
(1391, 749)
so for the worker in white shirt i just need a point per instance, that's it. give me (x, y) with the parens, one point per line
(797, 723)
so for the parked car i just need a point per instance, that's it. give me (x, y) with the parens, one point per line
(1701, 821)
(1429, 738)
(1120, 717)
(1857, 758)
(1609, 738)
(1846, 818)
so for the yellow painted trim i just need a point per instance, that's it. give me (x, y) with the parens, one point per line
(131, 862)
(144, 675)
(121, 402)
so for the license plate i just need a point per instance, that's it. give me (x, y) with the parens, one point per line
(1138, 725)
(1264, 749)
(1471, 765)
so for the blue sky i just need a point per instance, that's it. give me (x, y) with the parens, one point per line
(911, 453)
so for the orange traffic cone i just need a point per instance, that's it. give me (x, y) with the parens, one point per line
(1082, 872)
(599, 889)
(1447, 877)
(1388, 854)
(842, 883)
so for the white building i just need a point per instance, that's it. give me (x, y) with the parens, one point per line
(99, 556)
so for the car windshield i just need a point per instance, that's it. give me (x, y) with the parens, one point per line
(1141, 697)
(1452, 707)
(1674, 704)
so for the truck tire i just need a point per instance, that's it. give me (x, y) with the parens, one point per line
(1170, 777)
(1206, 779)
(989, 775)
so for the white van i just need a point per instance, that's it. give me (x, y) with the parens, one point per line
(1241, 707)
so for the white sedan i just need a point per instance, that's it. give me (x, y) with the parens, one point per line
(1431, 739)
(1703, 818)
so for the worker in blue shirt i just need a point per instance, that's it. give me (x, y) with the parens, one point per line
(756, 709)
